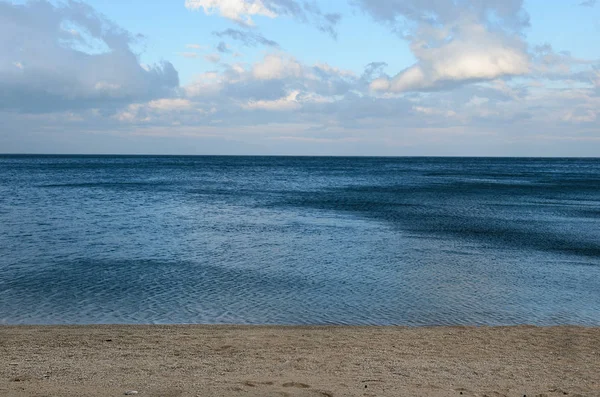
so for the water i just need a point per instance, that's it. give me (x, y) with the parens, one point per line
(283, 240)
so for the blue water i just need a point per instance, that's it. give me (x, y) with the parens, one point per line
(283, 240)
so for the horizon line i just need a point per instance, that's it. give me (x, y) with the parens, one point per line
(294, 155)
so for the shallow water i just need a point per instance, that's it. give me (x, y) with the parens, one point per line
(284, 240)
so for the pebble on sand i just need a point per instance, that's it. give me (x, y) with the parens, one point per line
(131, 392)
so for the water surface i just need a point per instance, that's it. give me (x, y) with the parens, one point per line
(299, 240)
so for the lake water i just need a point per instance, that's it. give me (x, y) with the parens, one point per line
(299, 240)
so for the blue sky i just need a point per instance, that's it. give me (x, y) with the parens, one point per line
(356, 77)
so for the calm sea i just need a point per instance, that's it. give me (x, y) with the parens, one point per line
(299, 240)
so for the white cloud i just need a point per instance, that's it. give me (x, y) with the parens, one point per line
(580, 116)
(205, 84)
(473, 53)
(55, 73)
(275, 66)
(293, 101)
(271, 78)
(311, 97)
(454, 42)
(157, 111)
(109, 88)
(333, 70)
(242, 11)
(130, 114)
(553, 65)
(170, 104)
(290, 102)
(433, 111)
(596, 79)
(477, 101)
(380, 84)
(237, 10)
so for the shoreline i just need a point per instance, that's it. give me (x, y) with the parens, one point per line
(289, 360)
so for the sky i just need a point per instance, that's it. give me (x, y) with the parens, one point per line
(301, 77)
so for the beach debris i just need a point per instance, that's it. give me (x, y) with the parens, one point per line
(131, 392)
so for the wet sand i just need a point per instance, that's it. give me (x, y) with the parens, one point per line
(298, 361)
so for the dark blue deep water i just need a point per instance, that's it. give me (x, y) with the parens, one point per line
(284, 240)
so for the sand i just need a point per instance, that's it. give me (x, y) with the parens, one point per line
(298, 361)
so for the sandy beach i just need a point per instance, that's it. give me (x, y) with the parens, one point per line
(298, 361)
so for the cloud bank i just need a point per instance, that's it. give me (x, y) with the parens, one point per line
(69, 74)
(68, 57)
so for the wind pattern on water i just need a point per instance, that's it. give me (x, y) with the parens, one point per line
(299, 240)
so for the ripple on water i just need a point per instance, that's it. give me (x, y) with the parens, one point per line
(299, 240)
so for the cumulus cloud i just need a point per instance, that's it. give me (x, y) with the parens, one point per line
(44, 67)
(454, 42)
(271, 78)
(206, 84)
(274, 88)
(159, 111)
(472, 54)
(294, 100)
(290, 102)
(275, 66)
